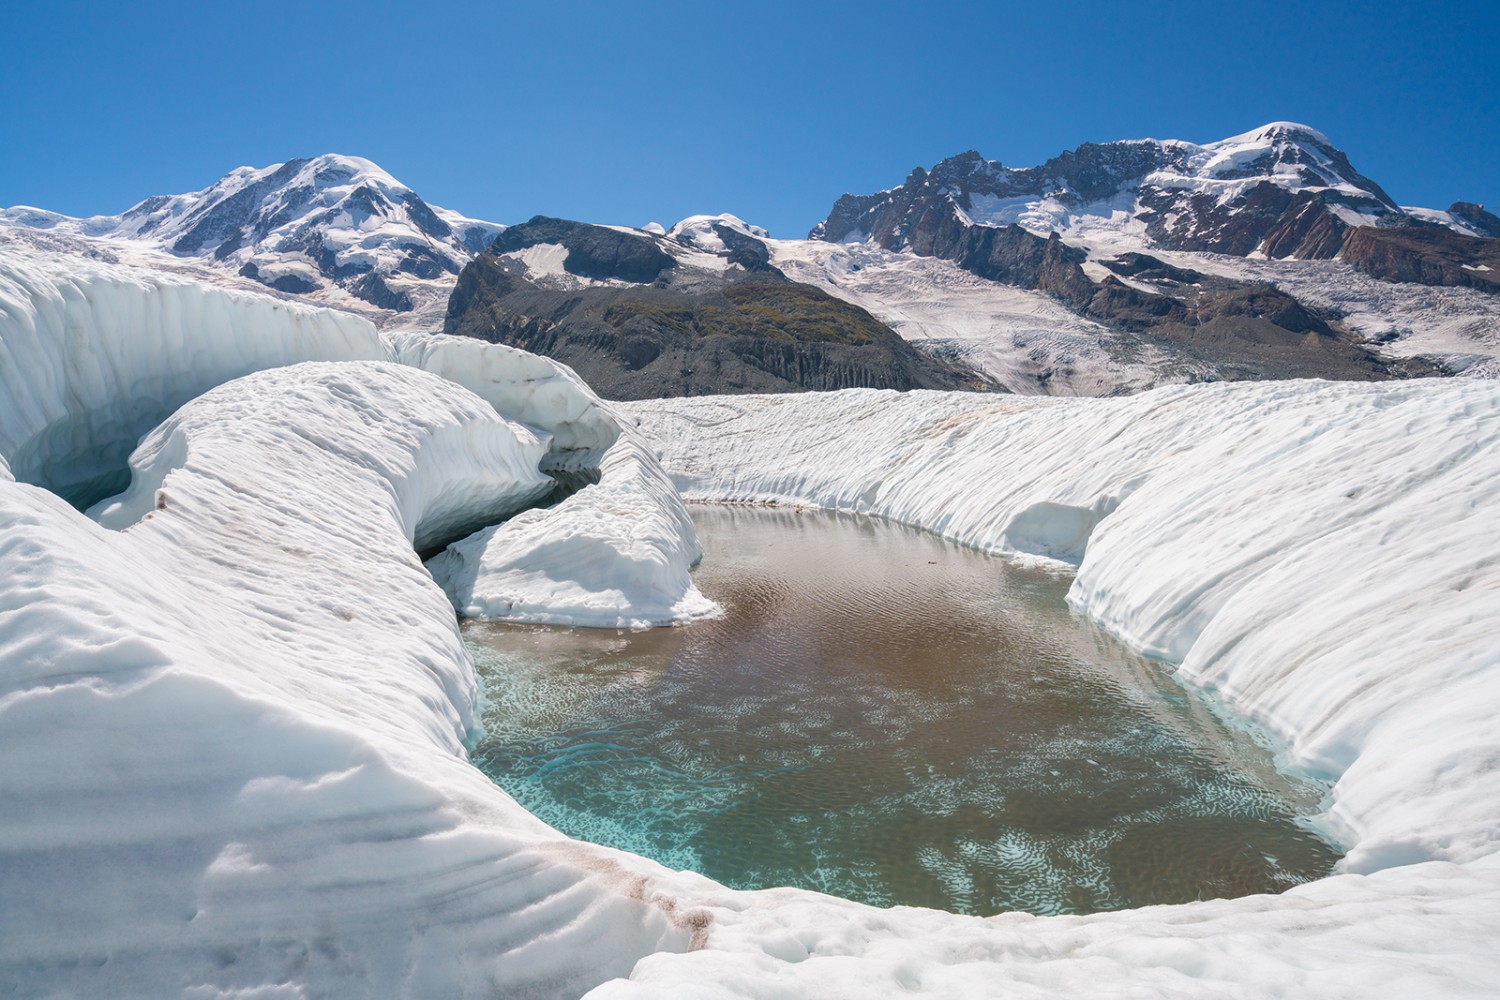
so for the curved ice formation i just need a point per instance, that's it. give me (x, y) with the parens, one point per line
(615, 554)
(93, 355)
(233, 731)
(615, 557)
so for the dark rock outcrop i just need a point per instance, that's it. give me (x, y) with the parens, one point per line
(687, 330)
(1476, 218)
(1428, 255)
(1141, 265)
(597, 252)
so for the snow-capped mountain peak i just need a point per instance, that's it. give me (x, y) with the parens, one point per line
(1249, 192)
(1279, 132)
(703, 231)
(332, 226)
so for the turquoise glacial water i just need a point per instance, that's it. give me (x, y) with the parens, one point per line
(894, 719)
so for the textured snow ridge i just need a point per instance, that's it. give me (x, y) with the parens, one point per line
(92, 356)
(1321, 557)
(234, 729)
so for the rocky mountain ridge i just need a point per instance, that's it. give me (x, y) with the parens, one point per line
(1110, 268)
(1283, 190)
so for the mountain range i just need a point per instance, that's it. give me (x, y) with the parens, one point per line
(1109, 268)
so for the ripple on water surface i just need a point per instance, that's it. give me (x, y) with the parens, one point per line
(894, 719)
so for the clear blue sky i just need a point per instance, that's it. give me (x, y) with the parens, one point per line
(633, 112)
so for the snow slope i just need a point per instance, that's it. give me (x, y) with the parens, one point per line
(1027, 341)
(1456, 327)
(1128, 194)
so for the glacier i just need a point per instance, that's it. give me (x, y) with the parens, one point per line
(234, 703)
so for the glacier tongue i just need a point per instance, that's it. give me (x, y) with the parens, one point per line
(233, 729)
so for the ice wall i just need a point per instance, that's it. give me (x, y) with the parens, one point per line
(94, 355)
(233, 730)
(1319, 555)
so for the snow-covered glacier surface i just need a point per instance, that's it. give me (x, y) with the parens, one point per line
(1320, 557)
(233, 709)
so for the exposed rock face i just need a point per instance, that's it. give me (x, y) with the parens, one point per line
(1243, 331)
(1476, 218)
(1141, 265)
(637, 319)
(1429, 255)
(596, 252)
(1283, 191)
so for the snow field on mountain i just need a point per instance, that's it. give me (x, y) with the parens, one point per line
(308, 224)
(1456, 326)
(1026, 341)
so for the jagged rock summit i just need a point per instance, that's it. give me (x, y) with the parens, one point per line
(1282, 190)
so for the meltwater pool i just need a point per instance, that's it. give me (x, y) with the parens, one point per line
(894, 719)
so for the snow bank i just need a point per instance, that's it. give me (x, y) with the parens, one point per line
(616, 556)
(234, 730)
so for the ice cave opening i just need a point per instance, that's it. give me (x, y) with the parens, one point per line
(891, 718)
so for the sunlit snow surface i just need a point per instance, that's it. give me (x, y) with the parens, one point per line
(233, 730)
